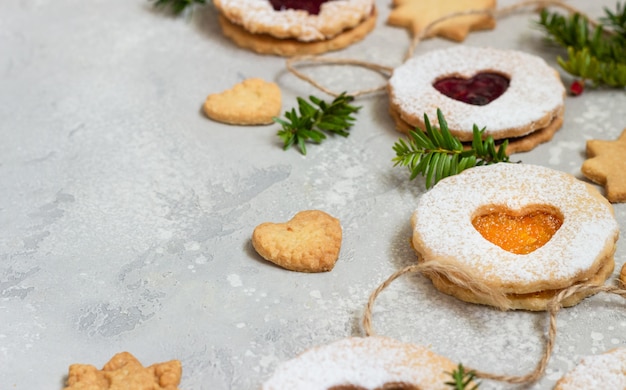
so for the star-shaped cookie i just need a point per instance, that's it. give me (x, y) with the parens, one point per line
(416, 15)
(606, 165)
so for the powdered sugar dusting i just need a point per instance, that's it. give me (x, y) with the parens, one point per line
(443, 223)
(366, 362)
(259, 17)
(604, 371)
(534, 96)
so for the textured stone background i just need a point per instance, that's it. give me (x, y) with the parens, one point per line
(126, 215)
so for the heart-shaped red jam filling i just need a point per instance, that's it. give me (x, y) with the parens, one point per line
(386, 386)
(518, 233)
(479, 90)
(310, 6)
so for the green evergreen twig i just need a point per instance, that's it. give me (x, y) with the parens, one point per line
(177, 6)
(461, 379)
(314, 120)
(436, 153)
(596, 54)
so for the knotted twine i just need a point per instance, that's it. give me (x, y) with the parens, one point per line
(444, 269)
(463, 280)
(416, 39)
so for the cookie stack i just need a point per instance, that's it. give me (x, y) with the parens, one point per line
(521, 200)
(514, 95)
(292, 27)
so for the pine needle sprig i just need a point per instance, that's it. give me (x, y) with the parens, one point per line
(177, 6)
(617, 19)
(584, 65)
(597, 54)
(436, 153)
(314, 120)
(462, 379)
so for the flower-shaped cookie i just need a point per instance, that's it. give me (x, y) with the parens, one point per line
(124, 371)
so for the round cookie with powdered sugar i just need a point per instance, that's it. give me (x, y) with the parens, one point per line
(364, 363)
(603, 371)
(559, 231)
(267, 44)
(287, 27)
(514, 95)
(261, 17)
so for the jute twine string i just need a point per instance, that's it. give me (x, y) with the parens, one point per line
(424, 33)
(463, 280)
(384, 70)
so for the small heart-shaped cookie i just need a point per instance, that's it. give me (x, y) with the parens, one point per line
(309, 242)
(251, 102)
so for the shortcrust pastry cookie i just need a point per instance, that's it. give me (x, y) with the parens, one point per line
(124, 371)
(254, 101)
(416, 15)
(363, 363)
(603, 371)
(606, 165)
(309, 242)
(515, 95)
(267, 44)
(557, 231)
(296, 28)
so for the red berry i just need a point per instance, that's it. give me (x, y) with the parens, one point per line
(577, 87)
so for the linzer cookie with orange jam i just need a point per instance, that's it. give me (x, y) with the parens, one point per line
(525, 231)
(296, 27)
(357, 363)
(515, 95)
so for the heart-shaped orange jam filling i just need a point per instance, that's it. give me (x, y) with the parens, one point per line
(518, 233)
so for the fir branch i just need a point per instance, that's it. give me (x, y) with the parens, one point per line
(582, 64)
(436, 153)
(616, 20)
(314, 120)
(597, 54)
(177, 6)
(461, 379)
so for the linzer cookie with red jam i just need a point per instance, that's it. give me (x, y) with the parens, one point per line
(514, 95)
(296, 27)
(524, 231)
(357, 363)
